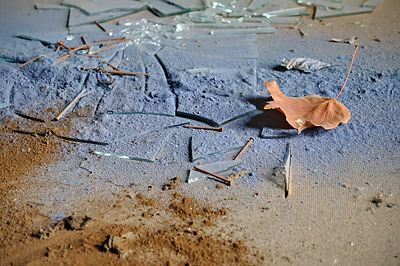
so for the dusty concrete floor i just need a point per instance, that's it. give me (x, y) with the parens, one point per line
(332, 216)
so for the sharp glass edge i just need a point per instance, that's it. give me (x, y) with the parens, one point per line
(286, 166)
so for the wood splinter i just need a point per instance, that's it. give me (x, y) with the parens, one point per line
(111, 65)
(244, 148)
(104, 49)
(30, 61)
(61, 43)
(62, 59)
(83, 93)
(220, 129)
(85, 42)
(116, 72)
(114, 42)
(230, 182)
(110, 39)
(100, 26)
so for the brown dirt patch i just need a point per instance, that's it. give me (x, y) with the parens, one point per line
(20, 155)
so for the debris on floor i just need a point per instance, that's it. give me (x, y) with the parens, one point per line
(350, 40)
(217, 168)
(205, 144)
(172, 184)
(76, 222)
(306, 65)
(284, 172)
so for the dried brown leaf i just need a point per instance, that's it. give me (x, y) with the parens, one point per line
(308, 111)
(312, 110)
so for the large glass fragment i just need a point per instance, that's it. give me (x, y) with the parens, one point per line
(325, 4)
(187, 4)
(49, 6)
(103, 128)
(349, 9)
(48, 37)
(276, 8)
(206, 143)
(225, 98)
(216, 168)
(52, 94)
(274, 133)
(162, 8)
(95, 7)
(297, 11)
(257, 4)
(372, 3)
(144, 148)
(79, 18)
(139, 94)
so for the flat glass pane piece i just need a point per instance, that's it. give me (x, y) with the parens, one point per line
(372, 3)
(216, 168)
(188, 4)
(322, 3)
(257, 4)
(95, 7)
(103, 129)
(207, 143)
(49, 6)
(297, 11)
(144, 148)
(139, 94)
(78, 18)
(276, 8)
(56, 95)
(225, 100)
(272, 133)
(349, 9)
(162, 9)
(49, 37)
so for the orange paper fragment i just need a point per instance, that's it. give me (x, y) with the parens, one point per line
(308, 111)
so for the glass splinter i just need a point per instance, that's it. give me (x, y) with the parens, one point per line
(372, 3)
(347, 10)
(322, 3)
(217, 168)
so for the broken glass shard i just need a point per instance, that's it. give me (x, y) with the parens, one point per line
(163, 9)
(48, 38)
(102, 129)
(194, 26)
(282, 173)
(96, 7)
(139, 94)
(216, 168)
(49, 6)
(372, 3)
(297, 11)
(144, 148)
(79, 18)
(306, 65)
(325, 4)
(206, 143)
(188, 5)
(246, 31)
(222, 102)
(274, 133)
(53, 94)
(20, 50)
(257, 4)
(349, 9)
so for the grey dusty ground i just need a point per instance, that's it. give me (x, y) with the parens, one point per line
(130, 135)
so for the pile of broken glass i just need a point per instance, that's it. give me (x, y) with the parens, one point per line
(200, 69)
